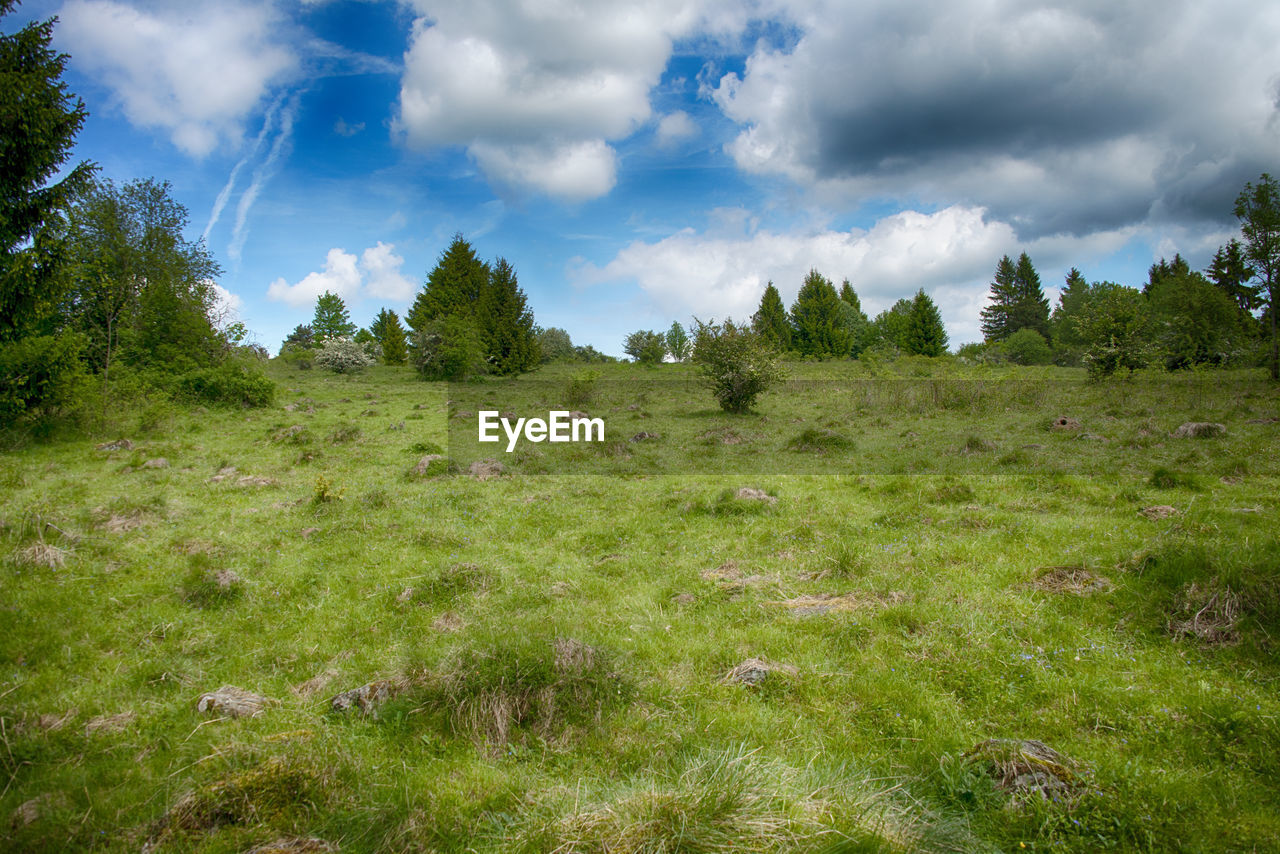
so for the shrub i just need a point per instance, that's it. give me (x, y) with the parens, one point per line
(1027, 347)
(343, 356)
(581, 388)
(735, 362)
(645, 347)
(228, 384)
(448, 349)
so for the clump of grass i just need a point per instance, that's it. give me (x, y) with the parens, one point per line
(813, 440)
(376, 498)
(293, 435)
(580, 390)
(977, 445)
(953, 493)
(206, 587)
(1208, 612)
(1166, 478)
(344, 433)
(490, 695)
(274, 792)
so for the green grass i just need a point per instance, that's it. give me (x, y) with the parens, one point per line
(558, 635)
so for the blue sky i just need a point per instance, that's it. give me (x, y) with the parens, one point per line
(640, 163)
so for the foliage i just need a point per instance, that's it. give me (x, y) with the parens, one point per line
(1066, 340)
(331, 319)
(817, 320)
(301, 336)
(391, 337)
(1017, 300)
(590, 355)
(771, 320)
(924, 335)
(343, 356)
(554, 345)
(679, 346)
(1114, 326)
(1027, 347)
(448, 349)
(736, 362)
(39, 375)
(231, 383)
(453, 287)
(645, 347)
(855, 321)
(506, 323)
(1258, 209)
(891, 325)
(1193, 322)
(1230, 272)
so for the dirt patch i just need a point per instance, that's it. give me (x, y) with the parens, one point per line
(1065, 424)
(316, 684)
(645, 436)
(1027, 768)
(1210, 613)
(1071, 579)
(431, 464)
(750, 493)
(448, 622)
(109, 723)
(367, 698)
(827, 603)
(486, 469)
(1160, 511)
(156, 463)
(723, 436)
(731, 579)
(232, 702)
(754, 671)
(684, 599)
(1199, 430)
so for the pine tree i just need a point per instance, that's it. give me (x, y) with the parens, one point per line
(817, 321)
(391, 337)
(505, 322)
(925, 335)
(1071, 301)
(855, 320)
(1230, 271)
(331, 319)
(770, 320)
(891, 324)
(996, 317)
(1158, 272)
(453, 288)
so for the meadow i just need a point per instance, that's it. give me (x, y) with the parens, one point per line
(901, 606)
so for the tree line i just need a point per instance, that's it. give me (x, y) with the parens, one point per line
(102, 299)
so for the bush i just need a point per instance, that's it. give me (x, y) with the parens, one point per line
(448, 349)
(343, 356)
(39, 375)
(1027, 347)
(228, 384)
(645, 347)
(736, 362)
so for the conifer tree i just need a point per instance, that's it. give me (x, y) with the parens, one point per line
(1017, 301)
(770, 320)
(331, 319)
(925, 335)
(1230, 271)
(855, 320)
(391, 337)
(1258, 209)
(817, 321)
(996, 320)
(453, 288)
(505, 322)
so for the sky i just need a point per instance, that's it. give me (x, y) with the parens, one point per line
(640, 163)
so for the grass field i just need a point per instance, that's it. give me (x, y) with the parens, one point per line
(894, 609)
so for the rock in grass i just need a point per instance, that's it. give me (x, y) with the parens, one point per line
(430, 464)
(117, 445)
(233, 702)
(1199, 430)
(1026, 767)
(366, 698)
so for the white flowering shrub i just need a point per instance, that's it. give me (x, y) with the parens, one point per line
(343, 356)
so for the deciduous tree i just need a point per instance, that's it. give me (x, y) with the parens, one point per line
(1258, 209)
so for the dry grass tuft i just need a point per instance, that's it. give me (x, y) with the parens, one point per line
(43, 554)
(1027, 767)
(826, 603)
(1209, 613)
(1071, 579)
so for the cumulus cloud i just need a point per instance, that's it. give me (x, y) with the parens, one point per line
(536, 92)
(674, 128)
(1057, 116)
(950, 253)
(376, 273)
(196, 72)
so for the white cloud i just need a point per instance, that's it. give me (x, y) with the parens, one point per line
(951, 254)
(382, 268)
(376, 273)
(676, 127)
(194, 71)
(226, 305)
(262, 174)
(537, 91)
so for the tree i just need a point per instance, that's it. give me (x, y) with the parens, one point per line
(679, 347)
(448, 349)
(453, 287)
(855, 320)
(1162, 270)
(1026, 347)
(1114, 326)
(645, 347)
(391, 337)
(736, 362)
(302, 336)
(770, 320)
(891, 324)
(1258, 209)
(331, 319)
(140, 289)
(925, 335)
(505, 322)
(39, 120)
(343, 355)
(1193, 322)
(554, 345)
(1230, 272)
(1017, 300)
(817, 321)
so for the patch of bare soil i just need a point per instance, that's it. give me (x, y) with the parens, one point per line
(233, 702)
(109, 723)
(724, 436)
(31, 811)
(1210, 613)
(1027, 768)
(1199, 430)
(1160, 511)
(367, 698)
(117, 445)
(750, 493)
(755, 671)
(448, 622)
(486, 469)
(1066, 424)
(316, 684)
(1071, 579)
(731, 579)
(827, 603)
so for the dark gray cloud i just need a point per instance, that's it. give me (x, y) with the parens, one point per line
(1057, 117)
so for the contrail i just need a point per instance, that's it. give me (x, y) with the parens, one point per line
(225, 195)
(264, 172)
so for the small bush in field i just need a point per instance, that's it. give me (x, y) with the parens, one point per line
(735, 362)
(343, 356)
